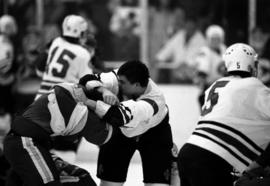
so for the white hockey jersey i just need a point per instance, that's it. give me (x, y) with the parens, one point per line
(138, 115)
(235, 120)
(67, 62)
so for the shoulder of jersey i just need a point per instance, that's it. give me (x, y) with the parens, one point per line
(243, 81)
(58, 39)
(254, 80)
(81, 52)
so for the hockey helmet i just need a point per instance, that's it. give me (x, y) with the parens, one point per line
(74, 26)
(240, 57)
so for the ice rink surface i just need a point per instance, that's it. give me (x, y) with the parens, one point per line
(134, 177)
(184, 112)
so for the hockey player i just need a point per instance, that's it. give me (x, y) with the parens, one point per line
(66, 60)
(141, 123)
(234, 127)
(27, 145)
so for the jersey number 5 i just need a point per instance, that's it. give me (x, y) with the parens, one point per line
(212, 97)
(64, 58)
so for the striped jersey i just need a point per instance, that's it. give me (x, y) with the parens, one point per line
(235, 120)
(66, 62)
(137, 116)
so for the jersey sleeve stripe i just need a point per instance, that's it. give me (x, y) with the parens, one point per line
(126, 113)
(152, 103)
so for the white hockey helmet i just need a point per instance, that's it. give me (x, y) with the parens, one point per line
(240, 57)
(74, 26)
(8, 25)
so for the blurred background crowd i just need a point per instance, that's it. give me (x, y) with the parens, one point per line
(180, 40)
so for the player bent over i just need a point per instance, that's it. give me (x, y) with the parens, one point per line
(27, 145)
(234, 126)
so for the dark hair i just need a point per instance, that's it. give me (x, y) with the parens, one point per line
(135, 71)
(242, 74)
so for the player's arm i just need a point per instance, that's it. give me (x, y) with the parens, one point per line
(127, 114)
(41, 63)
(93, 82)
(110, 80)
(108, 88)
(41, 60)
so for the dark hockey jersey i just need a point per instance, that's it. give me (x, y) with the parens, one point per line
(59, 114)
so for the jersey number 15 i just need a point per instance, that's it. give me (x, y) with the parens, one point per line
(63, 59)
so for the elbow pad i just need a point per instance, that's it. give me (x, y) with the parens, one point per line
(114, 116)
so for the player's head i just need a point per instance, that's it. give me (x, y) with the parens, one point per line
(8, 25)
(241, 58)
(215, 35)
(74, 26)
(133, 78)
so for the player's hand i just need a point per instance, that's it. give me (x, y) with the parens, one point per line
(110, 98)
